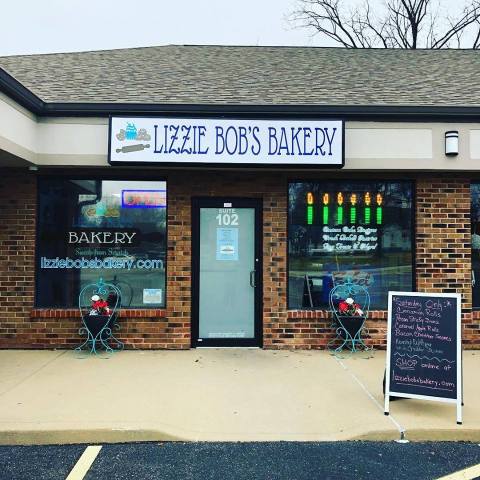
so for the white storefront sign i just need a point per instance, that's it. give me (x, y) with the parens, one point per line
(222, 141)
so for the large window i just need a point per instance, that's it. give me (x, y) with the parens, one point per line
(349, 230)
(110, 229)
(475, 215)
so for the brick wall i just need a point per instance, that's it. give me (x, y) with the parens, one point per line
(55, 328)
(443, 245)
(313, 329)
(272, 188)
(442, 256)
(17, 257)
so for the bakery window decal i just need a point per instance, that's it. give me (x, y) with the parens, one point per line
(131, 133)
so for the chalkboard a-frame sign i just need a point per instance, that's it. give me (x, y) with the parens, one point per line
(424, 351)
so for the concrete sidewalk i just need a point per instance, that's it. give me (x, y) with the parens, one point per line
(216, 395)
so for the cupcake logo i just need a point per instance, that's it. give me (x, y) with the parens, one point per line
(131, 133)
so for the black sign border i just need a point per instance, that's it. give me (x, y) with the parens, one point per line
(459, 400)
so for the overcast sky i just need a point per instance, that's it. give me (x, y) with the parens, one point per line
(44, 26)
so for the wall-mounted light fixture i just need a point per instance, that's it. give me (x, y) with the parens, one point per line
(451, 143)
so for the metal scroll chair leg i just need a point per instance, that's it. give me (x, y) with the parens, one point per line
(340, 339)
(89, 340)
(105, 332)
(108, 336)
(119, 344)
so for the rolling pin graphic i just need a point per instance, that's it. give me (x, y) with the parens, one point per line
(133, 148)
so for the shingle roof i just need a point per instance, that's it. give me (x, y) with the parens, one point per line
(253, 76)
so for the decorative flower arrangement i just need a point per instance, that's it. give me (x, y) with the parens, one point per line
(348, 307)
(99, 306)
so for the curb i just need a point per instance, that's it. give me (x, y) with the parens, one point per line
(101, 436)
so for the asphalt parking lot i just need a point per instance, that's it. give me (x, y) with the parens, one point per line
(249, 460)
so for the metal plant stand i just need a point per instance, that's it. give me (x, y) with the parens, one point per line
(350, 331)
(99, 327)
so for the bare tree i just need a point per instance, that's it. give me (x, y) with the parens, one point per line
(405, 24)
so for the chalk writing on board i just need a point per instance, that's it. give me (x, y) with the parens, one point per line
(410, 362)
(425, 382)
(405, 363)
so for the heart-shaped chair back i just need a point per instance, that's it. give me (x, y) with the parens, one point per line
(108, 292)
(346, 290)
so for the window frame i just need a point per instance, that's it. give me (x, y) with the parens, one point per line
(413, 228)
(472, 182)
(88, 175)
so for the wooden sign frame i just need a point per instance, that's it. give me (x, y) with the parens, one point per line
(459, 398)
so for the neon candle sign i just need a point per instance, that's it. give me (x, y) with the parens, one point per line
(326, 199)
(339, 208)
(367, 212)
(310, 208)
(353, 208)
(362, 216)
(379, 209)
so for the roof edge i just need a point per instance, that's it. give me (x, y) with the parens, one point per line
(26, 98)
(21, 94)
(345, 112)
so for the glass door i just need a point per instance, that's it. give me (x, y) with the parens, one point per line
(226, 272)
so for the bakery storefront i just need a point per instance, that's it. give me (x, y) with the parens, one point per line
(227, 225)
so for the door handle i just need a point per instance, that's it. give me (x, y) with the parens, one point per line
(252, 278)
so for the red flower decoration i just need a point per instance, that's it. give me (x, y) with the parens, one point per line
(343, 306)
(350, 309)
(101, 306)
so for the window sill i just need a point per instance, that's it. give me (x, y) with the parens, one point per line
(74, 313)
(377, 314)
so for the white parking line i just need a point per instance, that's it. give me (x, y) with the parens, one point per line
(468, 474)
(84, 463)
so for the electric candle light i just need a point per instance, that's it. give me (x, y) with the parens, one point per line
(326, 199)
(340, 208)
(379, 208)
(367, 208)
(310, 208)
(353, 208)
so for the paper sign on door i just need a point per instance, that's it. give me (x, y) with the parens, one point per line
(227, 244)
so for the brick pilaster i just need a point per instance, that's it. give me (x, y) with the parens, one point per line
(443, 250)
(17, 256)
